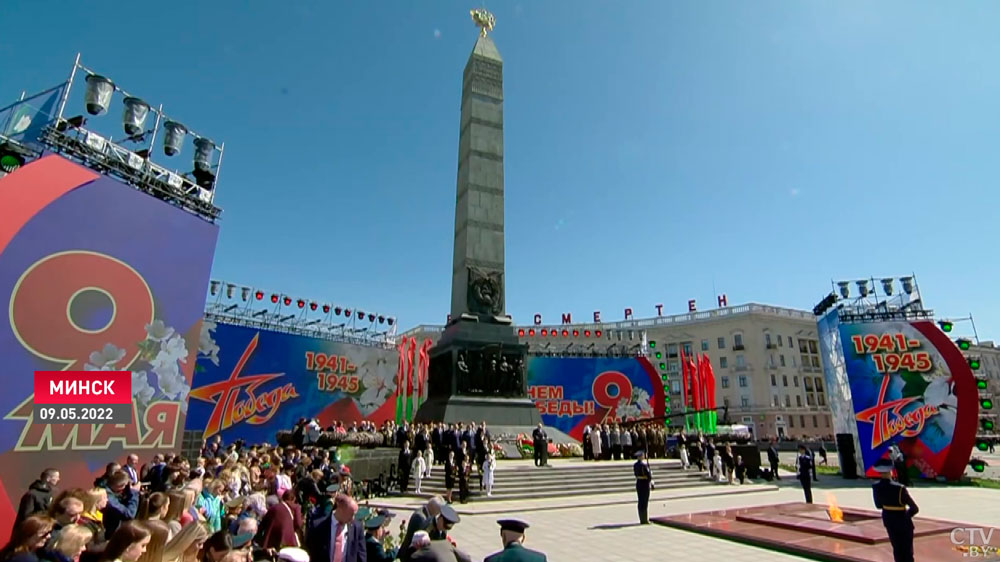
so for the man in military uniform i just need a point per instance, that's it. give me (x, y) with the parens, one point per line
(643, 484)
(804, 470)
(512, 536)
(375, 531)
(419, 521)
(898, 509)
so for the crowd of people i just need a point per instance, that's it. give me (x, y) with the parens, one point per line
(234, 503)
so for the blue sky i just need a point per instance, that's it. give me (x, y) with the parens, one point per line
(654, 150)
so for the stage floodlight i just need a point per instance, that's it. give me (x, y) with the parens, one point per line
(259, 295)
(946, 326)
(862, 287)
(213, 287)
(134, 116)
(173, 138)
(545, 333)
(347, 312)
(313, 306)
(10, 161)
(974, 363)
(274, 298)
(845, 289)
(531, 333)
(287, 301)
(337, 311)
(245, 293)
(887, 286)
(326, 309)
(598, 333)
(565, 333)
(229, 290)
(98, 94)
(586, 333)
(907, 283)
(520, 333)
(381, 319)
(963, 344)
(361, 315)
(301, 303)
(576, 333)
(203, 149)
(371, 317)
(390, 321)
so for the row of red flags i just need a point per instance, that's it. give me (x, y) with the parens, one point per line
(698, 380)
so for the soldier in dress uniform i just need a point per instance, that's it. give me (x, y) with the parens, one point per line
(898, 509)
(643, 484)
(512, 535)
(804, 469)
(375, 531)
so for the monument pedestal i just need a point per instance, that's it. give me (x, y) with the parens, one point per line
(477, 373)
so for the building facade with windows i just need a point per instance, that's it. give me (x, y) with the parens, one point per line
(766, 360)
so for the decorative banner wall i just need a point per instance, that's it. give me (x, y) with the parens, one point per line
(911, 386)
(252, 383)
(94, 275)
(573, 392)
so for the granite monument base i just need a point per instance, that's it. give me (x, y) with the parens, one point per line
(519, 412)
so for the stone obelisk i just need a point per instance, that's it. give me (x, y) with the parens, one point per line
(478, 367)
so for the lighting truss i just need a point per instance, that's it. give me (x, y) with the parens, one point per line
(258, 308)
(868, 300)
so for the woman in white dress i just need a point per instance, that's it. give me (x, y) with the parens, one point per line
(489, 467)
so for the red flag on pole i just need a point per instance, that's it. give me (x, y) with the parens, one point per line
(696, 390)
(686, 399)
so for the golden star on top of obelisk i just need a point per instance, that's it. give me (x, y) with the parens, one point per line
(484, 20)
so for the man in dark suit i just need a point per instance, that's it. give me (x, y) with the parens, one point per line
(337, 537)
(772, 457)
(803, 468)
(541, 443)
(405, 458)
(512, 535)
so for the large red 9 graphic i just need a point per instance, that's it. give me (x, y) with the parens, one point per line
(40, 308)
(603, 386)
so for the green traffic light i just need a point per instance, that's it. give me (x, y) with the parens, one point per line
(978, 466)
(986, 404)
(652, 343)
(981, 384)
(946, 326)
(666, 399)
(666, 410)
(659, 355)
(964, 344)
(982, 445)
(974, 364)
(988, 425)
(9, 163)
(663, 366)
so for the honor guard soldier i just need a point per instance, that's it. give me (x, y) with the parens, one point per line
(898, 509)
(512, 535)
(803, 465)
(643, 484)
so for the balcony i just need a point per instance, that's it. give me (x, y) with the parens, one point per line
(738, 347)
(741, 368)
(771, 346)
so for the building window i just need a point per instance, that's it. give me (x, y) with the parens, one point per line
(744, 402)
(740, 362)
(805, 361)
(674, 367)
(793, 360)
(630, 335)
(704, 345)
(815, 421)
(722, 343)
(789, 341)
(767, 339)
(826, 421)
(675, 387)
(780, 343)
(808, 383)
(798, 400)
(723, 362)
(803, 346)
(725, 402)
(795, 380)
(784, 380)
(813, 348)
(802, 421)
(672, 350)
(782, 358)
(810, 399)
(619, 335)
(788, 401)
(725, 382)
(815, 362)
(821, 400)
(791, 421)
(738, 341)
(775, 401)
(743, 381)
(687, 349)
(774, 380)
(819, 384)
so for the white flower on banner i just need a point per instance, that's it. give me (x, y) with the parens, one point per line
(106, 357)
(172, 384)
(641, 399)
(378, 384)
(627, 410)
(158, 331)
(206, 344)
(938, 393)
(175, 348)
(141, 389)
(89, 367)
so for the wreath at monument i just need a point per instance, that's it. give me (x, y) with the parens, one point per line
(485, 291)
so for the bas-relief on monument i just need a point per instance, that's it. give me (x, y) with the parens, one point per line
(477, 369)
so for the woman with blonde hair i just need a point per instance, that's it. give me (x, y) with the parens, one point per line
(28, 537)
(186, 544)
(179, 509)
(159, 534)
(71, 543)
(94, 501)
